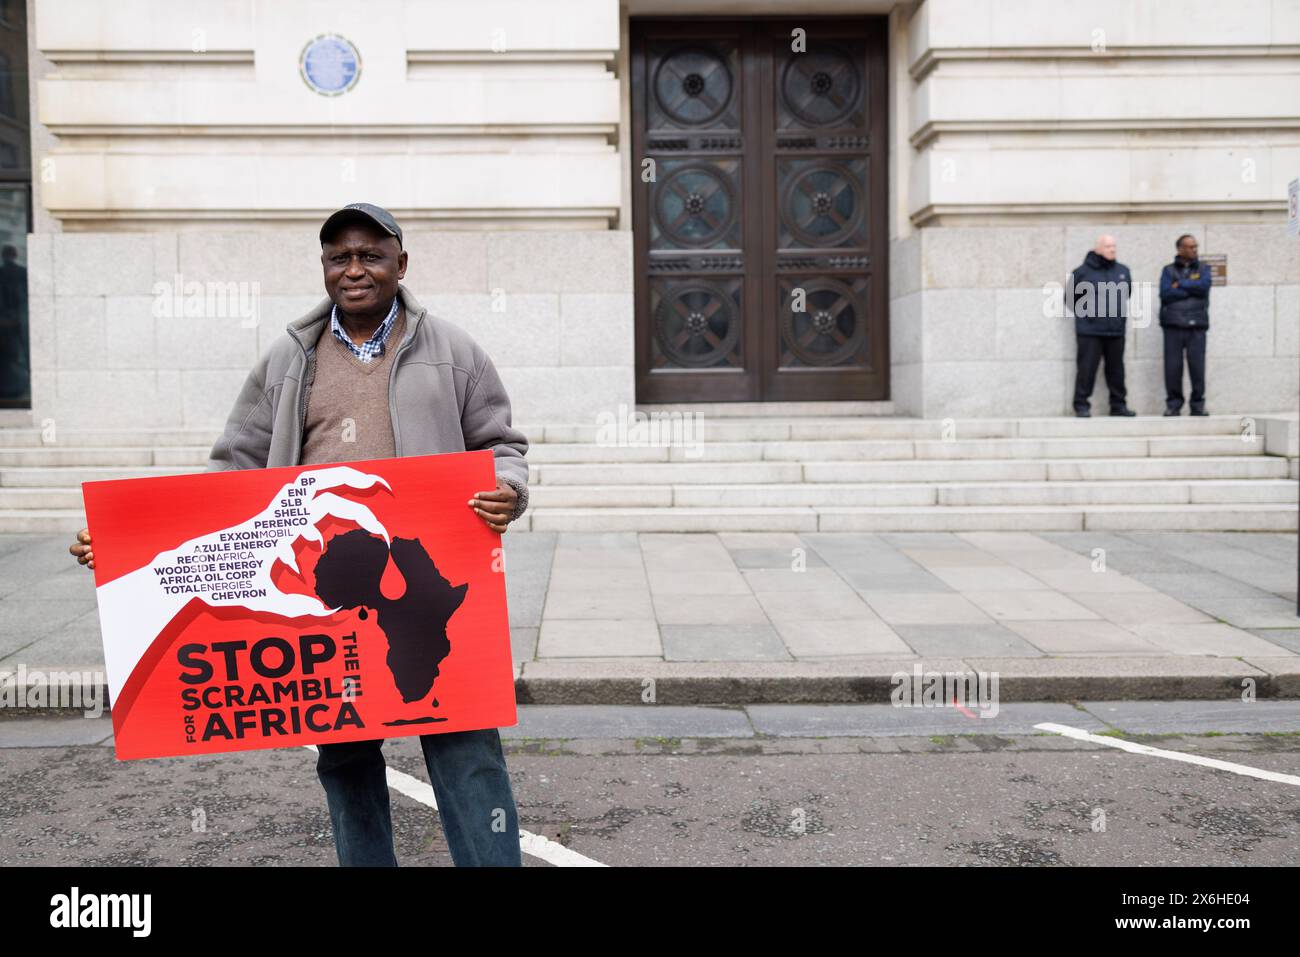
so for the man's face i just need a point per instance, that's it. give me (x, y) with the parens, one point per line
(1106, 247)
(363, 265)
(1187, 249)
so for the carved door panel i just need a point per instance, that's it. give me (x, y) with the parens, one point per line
(759, 210)
(696, 226)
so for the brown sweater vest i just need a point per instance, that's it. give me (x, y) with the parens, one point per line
(347, 402)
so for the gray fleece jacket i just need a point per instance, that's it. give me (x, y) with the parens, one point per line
(444, 395)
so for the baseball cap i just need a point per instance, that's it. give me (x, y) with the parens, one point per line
(365, 212)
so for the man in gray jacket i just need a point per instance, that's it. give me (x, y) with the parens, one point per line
(368, 374)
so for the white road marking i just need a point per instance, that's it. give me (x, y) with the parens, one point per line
(557, 855)
(1135, 748)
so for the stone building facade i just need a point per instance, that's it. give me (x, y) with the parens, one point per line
(958, 157)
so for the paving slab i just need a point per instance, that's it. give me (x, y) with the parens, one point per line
(835, 603)
(708, 609)
(776, 557)
(1140, 609)
(821, 638)
(1203, 584)
(1083, 638)
(1030, 606)
(580, 638)
(1269, 612)
(921, 608)
(1211, 638)
(1288, 638)
(742, 642)
(989, 640)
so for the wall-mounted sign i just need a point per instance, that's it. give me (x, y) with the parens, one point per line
(1218, 264)
(330, 64)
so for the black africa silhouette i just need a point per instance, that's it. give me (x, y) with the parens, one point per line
(347, 576)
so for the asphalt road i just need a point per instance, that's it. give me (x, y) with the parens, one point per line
(791, 785)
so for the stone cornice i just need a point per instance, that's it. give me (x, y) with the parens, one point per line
(932, 57)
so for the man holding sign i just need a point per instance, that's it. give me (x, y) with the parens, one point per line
(369, 374)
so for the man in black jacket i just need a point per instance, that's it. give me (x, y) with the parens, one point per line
(1096, 295)
(1184, 317)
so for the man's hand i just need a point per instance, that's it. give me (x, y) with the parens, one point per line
(82, 548)
(494, 507)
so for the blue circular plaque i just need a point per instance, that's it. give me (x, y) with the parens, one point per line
(330, 64)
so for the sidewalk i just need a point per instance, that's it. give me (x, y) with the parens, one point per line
(747, 618)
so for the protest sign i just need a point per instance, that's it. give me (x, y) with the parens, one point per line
(265, 608)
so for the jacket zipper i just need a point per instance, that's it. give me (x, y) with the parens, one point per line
(392, 380)
(302, 401)
(392, 375)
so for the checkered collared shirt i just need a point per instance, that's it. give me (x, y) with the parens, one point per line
(373, 347)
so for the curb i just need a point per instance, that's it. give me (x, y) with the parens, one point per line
(856, 681)
(866, 681)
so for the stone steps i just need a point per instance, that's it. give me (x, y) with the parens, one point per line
(766, 428)
(1243, 517)
(71, 476)
(806, 495)
(911, 470)
(808, 470)
(714, 427)
(877, 449)
(766, 473)
(810, 495)
(849, 450)
(177, 457)
(32, 520)
(544, 455)
(106, 438)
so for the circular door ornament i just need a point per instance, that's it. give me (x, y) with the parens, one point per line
(330, 64)
(695, 205)
(693, 86)
(829, 331)
(696, 325)
(820, 88)
(822, 205)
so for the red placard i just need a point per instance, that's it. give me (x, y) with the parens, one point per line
(274, 607)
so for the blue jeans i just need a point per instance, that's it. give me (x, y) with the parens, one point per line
(470, 782)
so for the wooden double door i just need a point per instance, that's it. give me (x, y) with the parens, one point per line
(760, 193)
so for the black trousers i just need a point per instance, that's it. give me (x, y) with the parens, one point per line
(1191, 342)
(1091, 351)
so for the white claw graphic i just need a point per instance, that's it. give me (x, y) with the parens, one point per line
(135, 608)
(323, 505)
